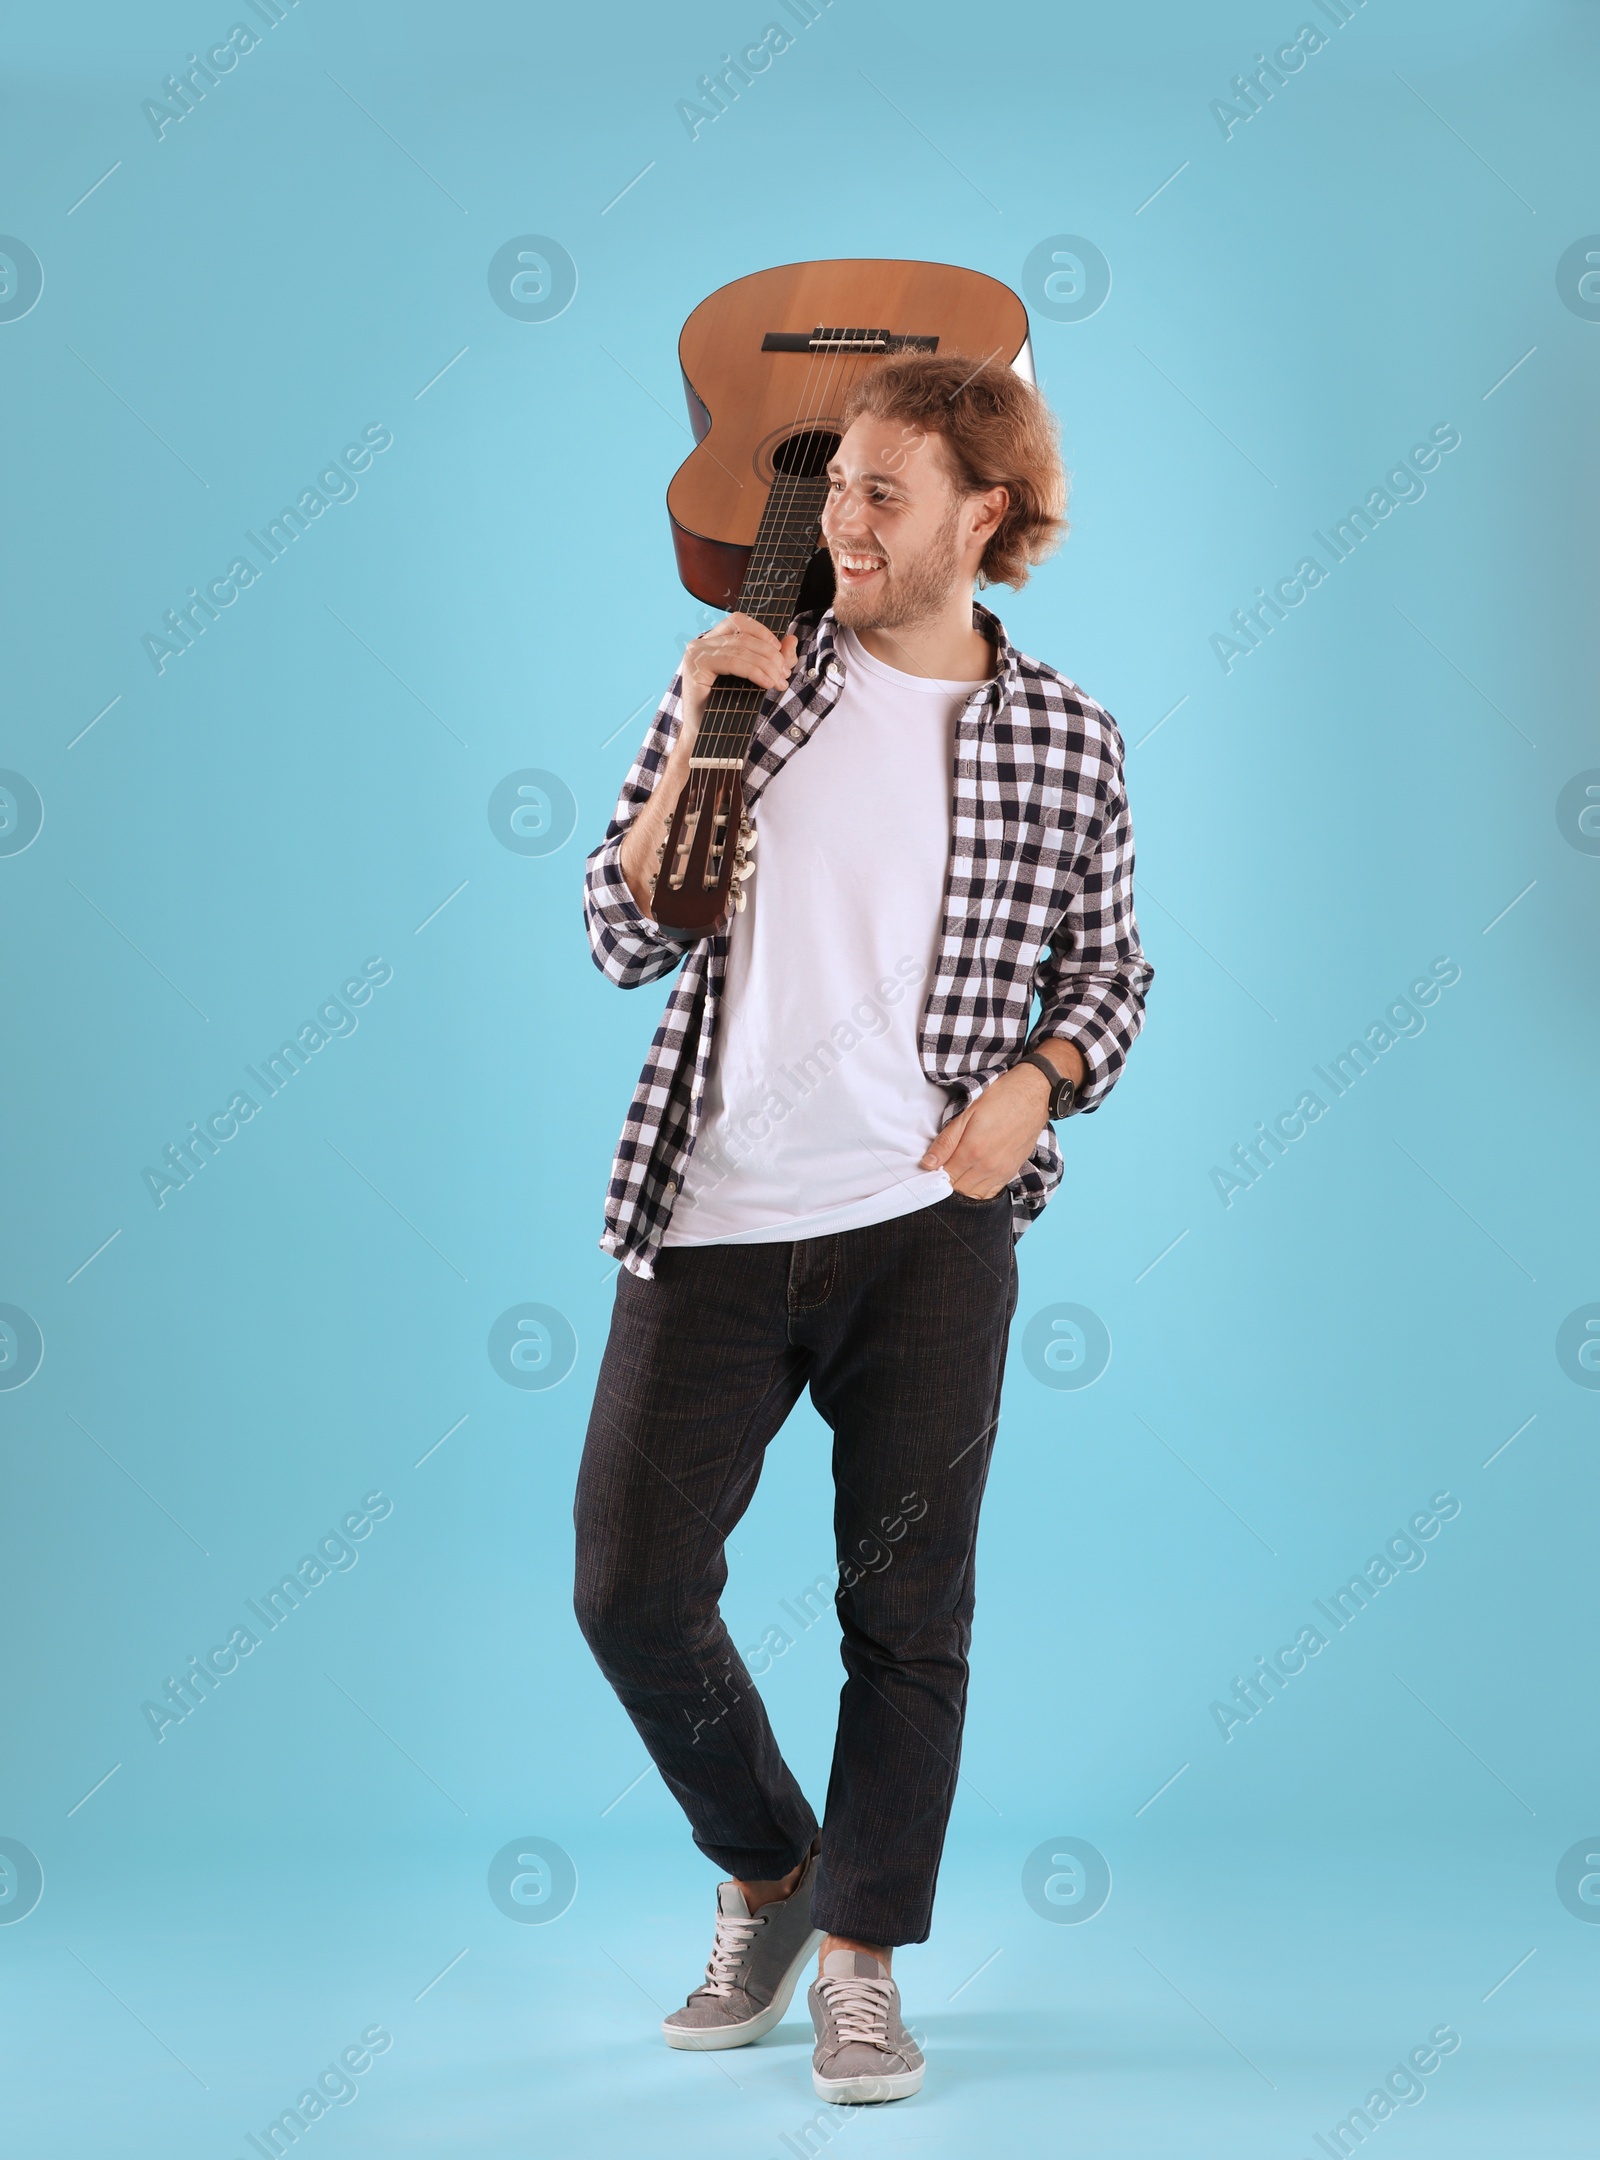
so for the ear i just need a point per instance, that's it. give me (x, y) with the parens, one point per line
(988, 510)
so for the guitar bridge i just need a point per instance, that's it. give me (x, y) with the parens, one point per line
(824, 339)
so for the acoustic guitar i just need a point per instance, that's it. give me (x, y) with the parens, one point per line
(767, 364)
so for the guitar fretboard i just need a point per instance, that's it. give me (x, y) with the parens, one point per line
(784, 546)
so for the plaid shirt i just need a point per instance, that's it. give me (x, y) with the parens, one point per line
(1038, 904)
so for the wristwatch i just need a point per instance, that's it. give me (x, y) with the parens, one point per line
(1063, 1092)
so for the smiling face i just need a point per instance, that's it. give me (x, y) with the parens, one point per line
(902, 538)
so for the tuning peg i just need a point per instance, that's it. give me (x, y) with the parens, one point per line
(738, 899)
(743, 869)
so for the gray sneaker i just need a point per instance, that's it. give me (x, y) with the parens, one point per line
(755, 1962)
(863, 2050)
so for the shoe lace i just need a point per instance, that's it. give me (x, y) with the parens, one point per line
(860, 2010)
(733, 1940)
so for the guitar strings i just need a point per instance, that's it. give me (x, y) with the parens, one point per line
(786, 489)
(730, 733)
(717, 737)
(776, 512)
(725, 735)
(722, 738)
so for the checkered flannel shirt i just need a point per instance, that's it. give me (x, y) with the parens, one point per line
(1038, 904)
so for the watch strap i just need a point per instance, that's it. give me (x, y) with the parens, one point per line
(1062, 1090)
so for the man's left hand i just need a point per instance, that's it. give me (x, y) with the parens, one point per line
(986, 1145)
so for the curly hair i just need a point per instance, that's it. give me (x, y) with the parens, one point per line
(996, 431)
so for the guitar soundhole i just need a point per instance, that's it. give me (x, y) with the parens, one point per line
(805, 456)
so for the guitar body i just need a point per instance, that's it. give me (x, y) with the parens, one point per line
(768, 363)
(744, 403)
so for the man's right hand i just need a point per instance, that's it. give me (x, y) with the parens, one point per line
(738, 645)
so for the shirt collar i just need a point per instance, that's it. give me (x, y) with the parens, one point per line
(825, 652)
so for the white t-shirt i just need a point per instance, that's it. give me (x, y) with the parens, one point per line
(817, 1110)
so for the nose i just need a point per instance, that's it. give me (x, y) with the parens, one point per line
(841, 519)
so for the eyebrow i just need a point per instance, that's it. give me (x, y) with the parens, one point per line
(888, 479)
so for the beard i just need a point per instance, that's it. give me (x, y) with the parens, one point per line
(907, 593)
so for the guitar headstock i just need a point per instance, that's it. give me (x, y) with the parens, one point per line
(706, 857)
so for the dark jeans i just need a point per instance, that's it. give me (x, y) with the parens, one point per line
(900, 1332)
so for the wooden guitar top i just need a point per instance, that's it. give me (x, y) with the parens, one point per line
(744, 401)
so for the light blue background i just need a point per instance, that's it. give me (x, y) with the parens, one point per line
(1375, 787)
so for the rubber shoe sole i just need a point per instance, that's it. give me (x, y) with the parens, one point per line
(900, 2086)
(705, 2038)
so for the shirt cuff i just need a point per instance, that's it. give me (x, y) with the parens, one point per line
(616, 906)
(1099, 1067)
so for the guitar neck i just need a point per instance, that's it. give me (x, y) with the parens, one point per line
(785, 543)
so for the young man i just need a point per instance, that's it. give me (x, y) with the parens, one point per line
(843, 1125)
